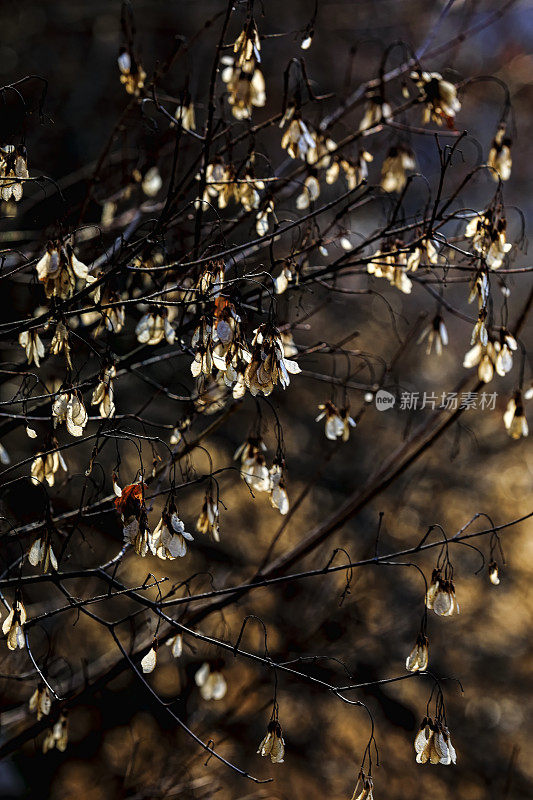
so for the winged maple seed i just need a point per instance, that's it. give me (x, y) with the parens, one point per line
(364, 787)
(41, 701)
(433, 744)
(129, 503)
(500, 159)
(170, 537)
(338, 423)
(244, 79)
(13, 625)
(13, 171)
(440, 596)
(57, 736)
(439, 97)
(59, 268)
(68, 408)
(273, 744)
(132, 75)
(418, 658)
(211, 682)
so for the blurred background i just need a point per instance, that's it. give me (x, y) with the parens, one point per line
(122, 744)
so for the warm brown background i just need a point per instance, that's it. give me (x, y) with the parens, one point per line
(121, 744)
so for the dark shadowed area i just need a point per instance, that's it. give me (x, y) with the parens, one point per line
(89, 147)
